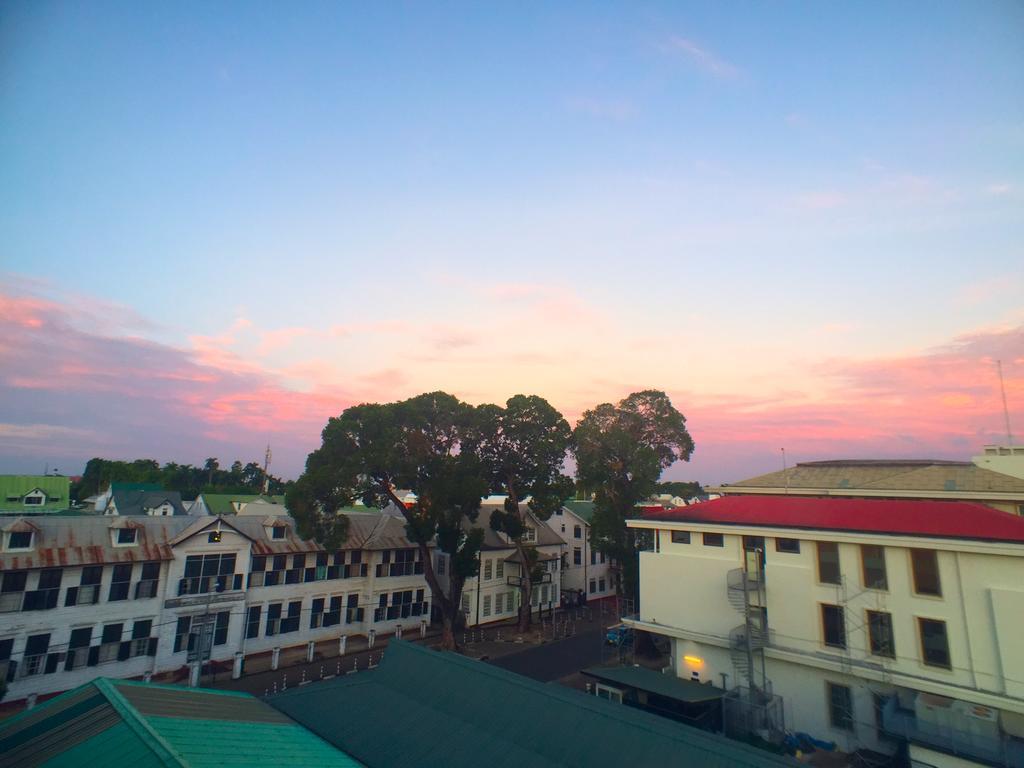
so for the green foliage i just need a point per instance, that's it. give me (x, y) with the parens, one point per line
(187, 479)
(682, 489)
(372, 449)
(621, 451)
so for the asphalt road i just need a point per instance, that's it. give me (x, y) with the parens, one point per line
(553, 661)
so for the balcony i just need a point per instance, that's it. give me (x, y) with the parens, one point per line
(956, 733)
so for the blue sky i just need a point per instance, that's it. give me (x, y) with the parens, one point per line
(727, 201)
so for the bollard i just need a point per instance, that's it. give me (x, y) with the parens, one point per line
(193, 675)
(371, 638)
(423, 628)
(590, 687)
(355, 664)
(321, 671)
(236, 668)
(339, 666)
(284, 682)
(398, 631)
(30, 702)
(275, 658)
(342, 642)
(310, 650)
(147, 677)
(302, 680)
(274, 686)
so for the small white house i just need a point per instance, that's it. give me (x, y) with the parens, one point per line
(583, 567)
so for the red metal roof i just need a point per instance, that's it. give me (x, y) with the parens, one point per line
(941, 519)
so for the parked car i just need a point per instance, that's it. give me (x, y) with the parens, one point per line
(619, 635)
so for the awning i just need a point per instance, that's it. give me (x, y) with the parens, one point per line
(651, 681)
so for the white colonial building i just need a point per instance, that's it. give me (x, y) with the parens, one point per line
(493, 594)
(865, 622)
(89, 596)
(583, 567)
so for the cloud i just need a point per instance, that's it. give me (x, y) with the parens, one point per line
(702, 57)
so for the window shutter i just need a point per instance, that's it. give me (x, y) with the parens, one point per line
(72, 596)
(124, 650)
(51, 662)
(94, 656)
(151, 651)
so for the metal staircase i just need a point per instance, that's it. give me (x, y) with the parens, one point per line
(745, 589)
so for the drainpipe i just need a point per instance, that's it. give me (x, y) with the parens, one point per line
(479, 568)
(967, 627)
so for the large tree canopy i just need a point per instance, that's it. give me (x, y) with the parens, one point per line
(522, 448)
(369, 451)
(189, 480)
(621, 451)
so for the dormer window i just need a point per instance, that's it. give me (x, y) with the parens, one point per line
(127, 536)
(530, 534)
(277, 532)
(19, 540)
(35, 498)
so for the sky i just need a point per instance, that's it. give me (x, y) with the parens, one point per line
(223, 223)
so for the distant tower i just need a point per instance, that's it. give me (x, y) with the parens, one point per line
(266, 476)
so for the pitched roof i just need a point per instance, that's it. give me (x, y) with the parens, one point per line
(118, 722)
(545, 535)
(584, 509)
(913, 517)
(67, 540)
(227, 503)
(13, 489)
(137, 502)
(923, 476)
(393, 715)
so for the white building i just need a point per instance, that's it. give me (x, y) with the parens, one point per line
(583, 567)
(493, 594)
(89, 596)
(874, 621)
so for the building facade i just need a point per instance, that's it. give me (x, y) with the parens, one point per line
(869, 622)
(89, 596)
(583, 567)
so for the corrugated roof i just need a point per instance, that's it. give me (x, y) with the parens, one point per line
(108, 722)
(584, 509)
(391, 716)
(923, 476)
(14, 487)
(652, 681)
(86, 540)
(224, 503)
(913, 517)
(493, 540)
(137, 502)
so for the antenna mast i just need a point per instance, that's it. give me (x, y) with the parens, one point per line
(1006, 410)
(266, 476)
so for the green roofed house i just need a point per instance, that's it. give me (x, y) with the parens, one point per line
(33, 494)
(117, 722)
(428, 708)
(230, 503)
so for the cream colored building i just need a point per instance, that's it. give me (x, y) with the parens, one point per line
(995, 477)
(859, 621)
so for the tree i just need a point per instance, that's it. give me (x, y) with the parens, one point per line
(372, 449)
(522, 449)
(621, 451)
(210, 466)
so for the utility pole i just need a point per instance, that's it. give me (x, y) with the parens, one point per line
(266, 476)
(1006, 410)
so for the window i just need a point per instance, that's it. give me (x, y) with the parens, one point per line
(925, 563)
(593, 586)
(316, 612)
(12, 590)
(840, 706)
(120, 582)
(220, 627)
(440, 565)
(148, 582)
(880, 635)
(529, 533)
(127, 535)
(20, 540)
(934, 643)
(680, 537)
(332, 617)
(603, 558)
(488, 570)
(353, 613)
(600, 585)
(141, 630)
(290, 623)
(833, 625)
(872, 559)
(563, 527)
(211, 573)
(277, 532)
(499, 569)
(111, 642)
(714, 540)
(252, 622)
(88, 591)
(828, 562)
(34, 662)
(45, 597)
(499, 603)
(791, 546)
(577, 556)
(78, 648)
(183, 640)
(32, 501)
(465, 603)
(577, 532)
(273, 619)
(593, 557)
(487, 605)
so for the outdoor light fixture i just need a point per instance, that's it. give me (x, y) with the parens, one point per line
(696, 661)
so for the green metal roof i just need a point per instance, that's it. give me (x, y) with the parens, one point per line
(584, 509)
(221, 503)
(106, 722)
(652, 681)
(428, 708)
(14, 487)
